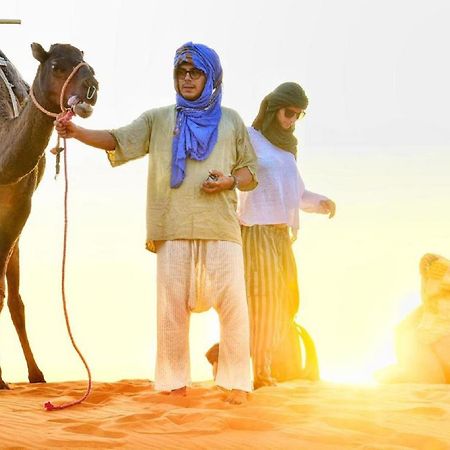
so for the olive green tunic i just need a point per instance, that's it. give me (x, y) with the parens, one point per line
(186, 212)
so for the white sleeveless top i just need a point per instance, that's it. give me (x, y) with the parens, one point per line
(280, 193)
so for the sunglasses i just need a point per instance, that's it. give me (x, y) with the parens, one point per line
(194, 73)
(290, 113)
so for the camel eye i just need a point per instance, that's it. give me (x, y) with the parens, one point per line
(57, 68)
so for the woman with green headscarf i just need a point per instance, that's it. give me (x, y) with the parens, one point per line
(269, 218)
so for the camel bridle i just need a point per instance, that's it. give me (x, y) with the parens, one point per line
(90, 93)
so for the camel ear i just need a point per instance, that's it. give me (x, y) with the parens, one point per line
(38, 52)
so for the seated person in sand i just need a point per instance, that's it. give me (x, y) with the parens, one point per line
(423, 337)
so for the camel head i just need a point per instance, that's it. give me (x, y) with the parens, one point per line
(435, 271)
(56, 65)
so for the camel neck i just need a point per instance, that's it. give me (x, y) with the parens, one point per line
(23, 142)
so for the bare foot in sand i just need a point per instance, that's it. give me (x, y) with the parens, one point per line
(236, 397)
(180, 392)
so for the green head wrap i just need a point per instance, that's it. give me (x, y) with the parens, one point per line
(286, 94)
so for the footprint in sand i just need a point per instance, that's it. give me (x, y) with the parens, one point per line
(78, 444)
(61, 420)
(181, 418)
(139, 418)
(159, 398)
(94, 430)
(42, 389)
(355, 424)
(302, 409)
(125, 387)
(247, 424)
(99, 398)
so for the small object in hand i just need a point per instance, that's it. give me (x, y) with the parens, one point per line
(212, 177)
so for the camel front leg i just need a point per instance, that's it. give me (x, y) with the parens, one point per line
(3, 385)
(17, 311)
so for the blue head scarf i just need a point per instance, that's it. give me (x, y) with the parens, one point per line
(197, 121)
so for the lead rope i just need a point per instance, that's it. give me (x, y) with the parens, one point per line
(65, 116)
(49, 406)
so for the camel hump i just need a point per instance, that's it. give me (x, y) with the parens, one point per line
(18, 85)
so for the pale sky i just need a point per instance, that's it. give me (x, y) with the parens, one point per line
(375, 140)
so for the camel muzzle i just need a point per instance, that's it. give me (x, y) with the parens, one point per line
(80, 108)
(83, 109)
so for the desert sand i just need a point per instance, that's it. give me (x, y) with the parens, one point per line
(129, 414)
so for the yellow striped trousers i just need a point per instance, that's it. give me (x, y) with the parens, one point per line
(272, 292)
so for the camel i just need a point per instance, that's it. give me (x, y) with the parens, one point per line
(423, 337)
(23, 140)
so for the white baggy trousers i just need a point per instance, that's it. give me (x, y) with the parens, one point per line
(193, 276)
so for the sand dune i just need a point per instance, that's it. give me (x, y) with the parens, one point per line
(129, 414)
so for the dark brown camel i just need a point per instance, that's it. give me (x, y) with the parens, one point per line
(23, 140)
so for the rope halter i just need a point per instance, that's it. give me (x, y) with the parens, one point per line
(91, 92)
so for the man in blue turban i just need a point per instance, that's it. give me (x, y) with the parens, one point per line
(198, 153)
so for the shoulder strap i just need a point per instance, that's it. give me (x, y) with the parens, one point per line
(9, 87)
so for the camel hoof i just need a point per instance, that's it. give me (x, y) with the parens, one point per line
(3, 385)
(38, 377)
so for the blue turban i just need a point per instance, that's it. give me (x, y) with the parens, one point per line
(197, 121)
